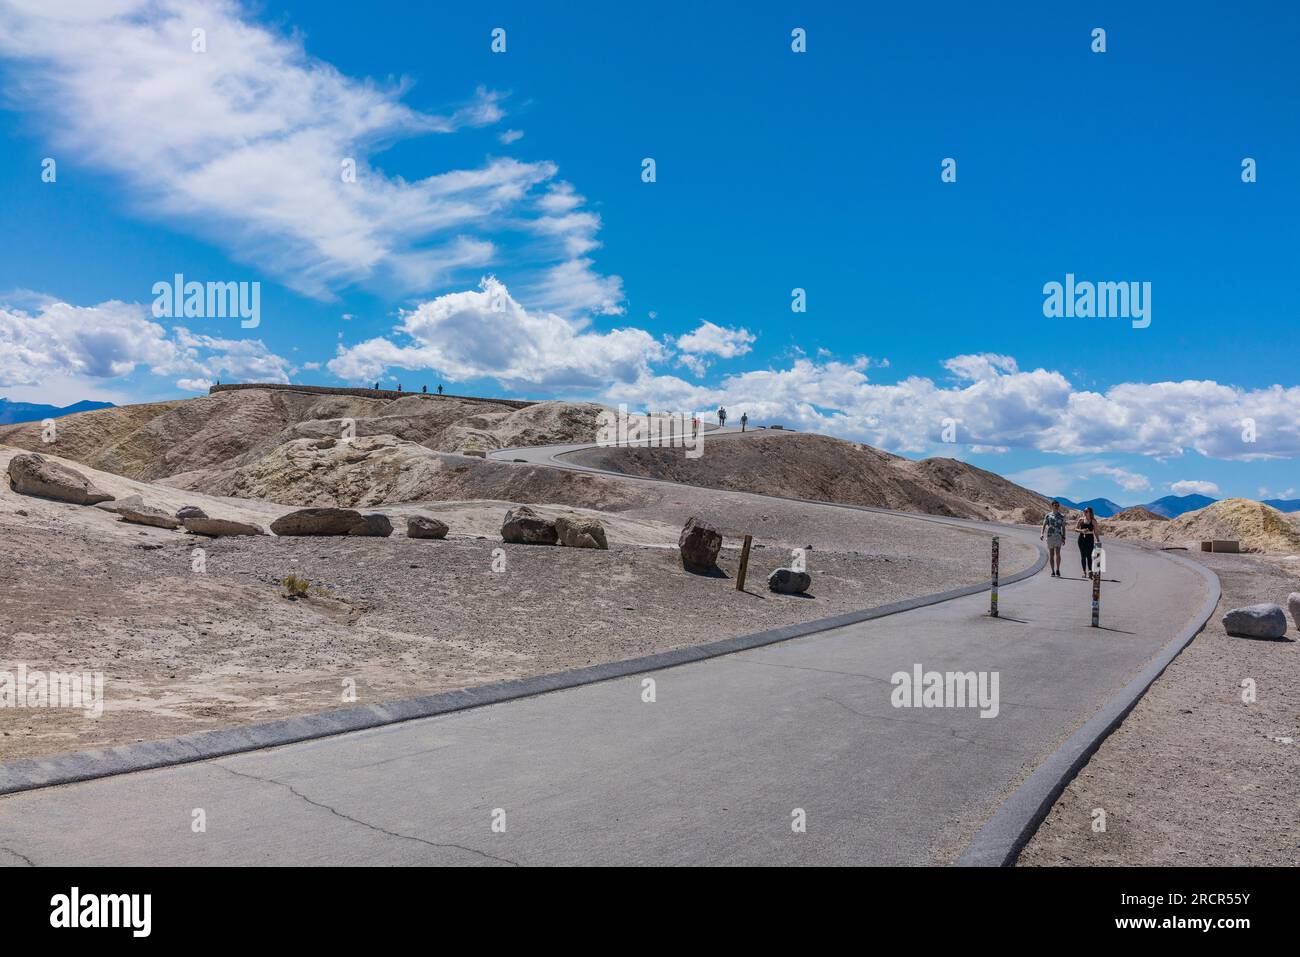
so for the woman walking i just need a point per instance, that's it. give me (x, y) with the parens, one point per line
(1089, 536)
(1054, 532)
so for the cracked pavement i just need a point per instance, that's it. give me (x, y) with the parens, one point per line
(709, 773)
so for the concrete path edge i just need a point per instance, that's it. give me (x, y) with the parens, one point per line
(1000, 841)
(31, 773)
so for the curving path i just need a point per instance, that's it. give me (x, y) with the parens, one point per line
(715, 770)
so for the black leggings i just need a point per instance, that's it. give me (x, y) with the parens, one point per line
(1086, 545)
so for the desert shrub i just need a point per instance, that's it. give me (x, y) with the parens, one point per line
(294, 587)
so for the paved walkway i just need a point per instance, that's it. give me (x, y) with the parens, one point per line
(714, 771)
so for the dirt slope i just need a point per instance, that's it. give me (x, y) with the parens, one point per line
(819, 467)
(1258, 527)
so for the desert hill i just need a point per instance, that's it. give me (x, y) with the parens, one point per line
(289, 447)
(1258, 527)
(805, 465)
(237, 428)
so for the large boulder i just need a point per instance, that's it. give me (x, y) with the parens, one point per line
(373, 525)
(422, 526)
(699, 544)
(1293, 604)
(787, 581)
(190, 511)
(523, 526)
(331, 521)
(147, 515)
(1265, 620)
(578, 531)
(32, 474)
(215, 527)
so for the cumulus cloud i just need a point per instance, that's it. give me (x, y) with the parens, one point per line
(247, 145)
(1192, 487)
(486, 332)
(711, 339)
(1125, 479)
(57, 340)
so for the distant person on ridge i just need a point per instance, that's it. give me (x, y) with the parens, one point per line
(1054, 532)
(1089, 536)
(722, 416)
(744, 420)
(439, 388)
(424, 390)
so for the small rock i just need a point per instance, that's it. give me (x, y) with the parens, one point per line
(117, 505)
(190, 511)
(331, 521)
(146, 515)
(578, 531)
(1293, 603)
(787, 581)
(523, 526)
(422, 526)
(1264, 620)
(699, 545)
(32, 474)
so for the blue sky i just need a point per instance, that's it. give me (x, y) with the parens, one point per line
(775, 170)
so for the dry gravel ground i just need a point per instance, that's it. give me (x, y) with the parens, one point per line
(1194, 775)
(184, 651)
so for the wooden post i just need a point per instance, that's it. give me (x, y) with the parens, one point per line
(1096, 599)
(993, 599)
(744, 563)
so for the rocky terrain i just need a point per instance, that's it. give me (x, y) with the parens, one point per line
(1196, 774)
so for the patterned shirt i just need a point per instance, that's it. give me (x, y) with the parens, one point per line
(1055, 522)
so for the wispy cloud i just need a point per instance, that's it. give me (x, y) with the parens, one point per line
(247, 144)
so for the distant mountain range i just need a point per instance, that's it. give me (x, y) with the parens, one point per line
(33, 412)
(1171, 506)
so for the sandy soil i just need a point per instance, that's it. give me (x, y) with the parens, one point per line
(1194, 775)
(183, 651)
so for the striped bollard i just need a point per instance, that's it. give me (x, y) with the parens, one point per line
(1096, 599)
(993, 595)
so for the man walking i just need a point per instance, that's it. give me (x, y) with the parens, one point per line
(722, 416)
(1054, 532)
(744, 420)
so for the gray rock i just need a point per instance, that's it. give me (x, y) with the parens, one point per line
(215, 527)
(579, 531)
(422, 526)
(699, 545)
(373, 525)
(1293, 603)
(147, 515)
(32, 474)
(320, 521)
(116, 505)
(523, 526)
(787, 581)
(1265, 620)
(190, 511)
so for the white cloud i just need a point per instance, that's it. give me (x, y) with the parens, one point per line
(1192, 487)
(53, 341)
(715, 340)
(1128, 481)
(510, 136)
(486, 332)
(243, 145)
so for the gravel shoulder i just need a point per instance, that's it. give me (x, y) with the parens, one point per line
(183, 651)
(1196, 775)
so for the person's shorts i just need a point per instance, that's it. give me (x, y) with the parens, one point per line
(1055, 540)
